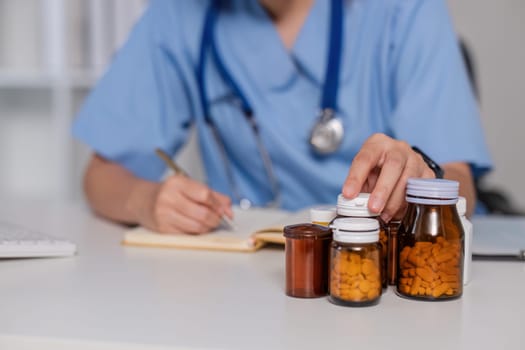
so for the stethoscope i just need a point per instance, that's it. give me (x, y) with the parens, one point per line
(327, 133)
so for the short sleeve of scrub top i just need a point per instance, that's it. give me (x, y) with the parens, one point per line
(142, 101)
(433, 103)
(401, 75)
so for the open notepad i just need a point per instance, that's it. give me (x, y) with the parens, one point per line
(253, 229)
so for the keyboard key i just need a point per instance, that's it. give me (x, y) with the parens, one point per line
(19, 242)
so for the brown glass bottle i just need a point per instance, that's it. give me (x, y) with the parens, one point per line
(355, 262)
(307, 255)
(431, 242)
(393, 227)
(358, 208)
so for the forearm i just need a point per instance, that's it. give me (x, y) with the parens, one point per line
(115, 193)
(461, 172)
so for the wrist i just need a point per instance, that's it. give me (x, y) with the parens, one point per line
(141, 201)
(434, 166)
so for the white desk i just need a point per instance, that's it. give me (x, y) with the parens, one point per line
(109, 297)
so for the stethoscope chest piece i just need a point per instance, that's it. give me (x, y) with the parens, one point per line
(327, 134)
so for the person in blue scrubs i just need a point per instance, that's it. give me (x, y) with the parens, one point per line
(401, 83)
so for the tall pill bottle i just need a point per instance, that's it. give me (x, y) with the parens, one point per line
(431, 242)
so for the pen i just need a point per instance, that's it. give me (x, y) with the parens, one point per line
(225, 221)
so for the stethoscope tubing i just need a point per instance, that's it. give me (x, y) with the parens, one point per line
(328, 101)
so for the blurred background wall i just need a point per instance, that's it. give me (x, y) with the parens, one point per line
(495, 31)
(52, 52)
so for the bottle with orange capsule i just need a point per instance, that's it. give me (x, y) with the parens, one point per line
(358, 208)
(355, 262)
(431, 242)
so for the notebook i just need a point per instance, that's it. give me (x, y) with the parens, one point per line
(498, 238)
(254, 228)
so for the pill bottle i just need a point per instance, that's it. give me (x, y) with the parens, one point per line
(431, 242)
(393, 227)
(322, 215)
(358, 208)
(307, 250)
(355, 262)
(467, 228)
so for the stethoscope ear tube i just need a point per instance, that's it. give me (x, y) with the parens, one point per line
(226, 161)
(267, 162)
(328, 132)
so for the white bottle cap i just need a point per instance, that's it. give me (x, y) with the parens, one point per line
(322, 214)
(461, 205)
(432, 191)
(354, 207)
(355, 230)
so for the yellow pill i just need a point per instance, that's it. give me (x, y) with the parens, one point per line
(373, 293)
(368, 266)
(355, 295)
(364, 286)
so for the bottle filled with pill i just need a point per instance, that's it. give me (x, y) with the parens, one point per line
(355, 262)
(431, 242)
(393, 226)
(358, 208)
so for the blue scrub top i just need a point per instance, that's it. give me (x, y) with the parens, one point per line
(402, 75)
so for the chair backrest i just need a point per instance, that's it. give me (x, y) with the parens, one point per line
(493, 201)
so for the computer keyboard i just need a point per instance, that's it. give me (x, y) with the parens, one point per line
(19, 242)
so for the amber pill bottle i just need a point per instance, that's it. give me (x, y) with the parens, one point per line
(355, 262)
(431, 242)
(307, 249)
(393, 227)
(358, 208)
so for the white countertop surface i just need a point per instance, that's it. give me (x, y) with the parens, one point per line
(110, 297)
